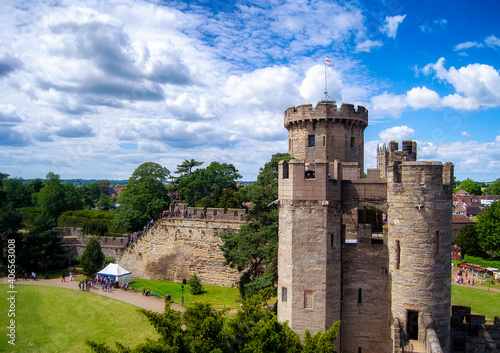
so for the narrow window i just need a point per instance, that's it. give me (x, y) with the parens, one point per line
(311, 141)
(360, 295)
(352, 141)
(308, 300)
(324, 141)
(437, 242)
(284, 294)
(331, 240)
(359, 350)
(398, 254)
(285, 170)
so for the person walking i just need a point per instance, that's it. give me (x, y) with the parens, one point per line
(63, 278)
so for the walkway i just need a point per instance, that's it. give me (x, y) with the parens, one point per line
(134, 298)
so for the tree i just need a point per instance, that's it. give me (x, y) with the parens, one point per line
(468, 239)
(104, 202)
(489, 228)
(470, 186)
(207, 182)
(494, 189)
(186, 167)
(144, 197)
(202, 329)
(195, 285)
(253, 250)
(56, 197)
(92, 258)
(10, 220)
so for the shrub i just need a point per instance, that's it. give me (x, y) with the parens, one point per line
(195, 284)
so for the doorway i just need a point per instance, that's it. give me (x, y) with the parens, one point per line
(412, 325)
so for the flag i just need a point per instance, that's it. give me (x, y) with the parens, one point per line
(328, 62)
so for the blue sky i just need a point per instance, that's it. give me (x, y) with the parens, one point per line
(92, 89)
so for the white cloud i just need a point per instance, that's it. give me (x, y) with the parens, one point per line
(492, 41)
(436, 25)
(397, 133)
(368, 45)
(389, 104)
(422, 97)
(312, 86)
(390, 28)
(467, 45)
(465, 134)
(477, 82)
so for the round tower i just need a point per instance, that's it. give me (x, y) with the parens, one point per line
(326, 133)
(419, 196)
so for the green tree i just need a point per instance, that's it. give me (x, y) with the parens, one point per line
(468, 239)
(207, 182)
(253, 250)
(104, 202)
(195, 285)
(41, 247)
(488, 228)
(56, 197)
(10, 220)
(92, 258)
(470, 186)
(186, 167)
(17, 192)
(144, 197)
(202, 329)
(103, 186)
(494, 189)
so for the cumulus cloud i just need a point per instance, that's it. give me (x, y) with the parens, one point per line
(389, 104)
(8, 64)
(312, 86)
(390, 28)
(465, 134)
(8, 115)
(422, 97)
(397, 133)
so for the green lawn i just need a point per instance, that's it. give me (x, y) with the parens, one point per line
(218, 297)
(52, 320)
(481, 302)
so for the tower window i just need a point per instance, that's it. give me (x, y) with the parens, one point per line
(398, 254)
(360, 295)
(331, 240)
(311, 141)
(352, 141)
(437, 241)
(324, 141)
(284, 294)
(308, 300)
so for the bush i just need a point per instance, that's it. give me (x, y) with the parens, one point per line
(108, 260)
(195, 284)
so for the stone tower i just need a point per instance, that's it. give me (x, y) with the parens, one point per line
(373, 252)
(389, 154)
(309, 260)
(419, 226)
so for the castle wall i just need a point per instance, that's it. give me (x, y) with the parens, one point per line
(366, 315)
(419, 222)
(175, 249)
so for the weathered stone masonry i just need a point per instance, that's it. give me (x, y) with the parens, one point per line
(177, 248)
(372, 252)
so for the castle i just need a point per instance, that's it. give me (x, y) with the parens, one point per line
(373, 252)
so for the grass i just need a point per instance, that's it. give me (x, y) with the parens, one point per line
(481, 302)
(50, 319)
(218, 297)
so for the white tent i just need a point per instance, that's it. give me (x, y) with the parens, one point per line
(117, 273)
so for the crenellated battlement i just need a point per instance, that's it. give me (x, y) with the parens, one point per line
(327, 111)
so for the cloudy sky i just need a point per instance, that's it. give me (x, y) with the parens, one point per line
(92, 89)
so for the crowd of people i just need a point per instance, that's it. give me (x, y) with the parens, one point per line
(469, 275)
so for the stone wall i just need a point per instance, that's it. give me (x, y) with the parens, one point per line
(175, 249)
(366, 315)
(74, 243)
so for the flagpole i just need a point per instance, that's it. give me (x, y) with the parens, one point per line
(326, 87)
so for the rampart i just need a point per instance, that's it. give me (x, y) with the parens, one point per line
(176, 248)
(327, 111)
(74, 243)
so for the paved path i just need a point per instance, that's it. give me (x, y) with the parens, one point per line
(454, 273)
(134, 298)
